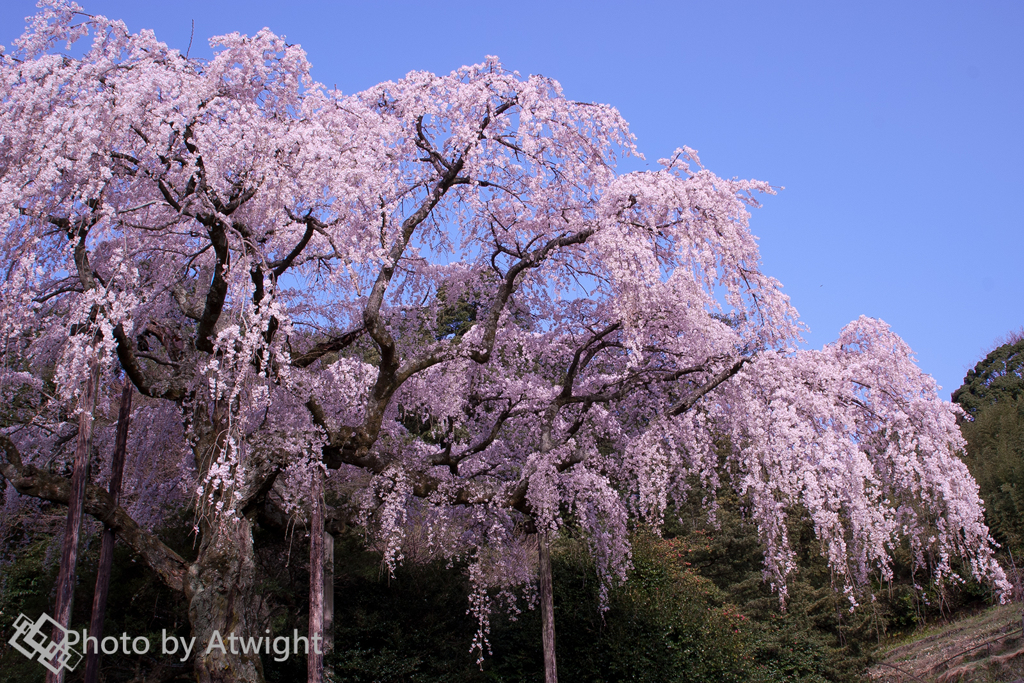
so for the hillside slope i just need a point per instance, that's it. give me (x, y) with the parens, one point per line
(987, 647)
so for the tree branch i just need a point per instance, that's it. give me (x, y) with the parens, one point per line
(218, 287)
(31, 481)
(174, 391)
(718, 379)
(336, 344)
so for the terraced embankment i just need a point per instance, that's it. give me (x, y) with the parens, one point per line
(987, 647)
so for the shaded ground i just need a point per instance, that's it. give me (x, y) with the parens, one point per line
(987, 647)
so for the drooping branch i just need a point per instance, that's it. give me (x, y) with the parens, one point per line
(173, 389)
(218, 287)
(580, 362)
(512, 495)
(336, 344)
(31, 481)
(279, 267)
(714, 382)
(271, 516)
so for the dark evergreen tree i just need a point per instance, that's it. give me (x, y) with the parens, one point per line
(993, 396)
(1000, 376)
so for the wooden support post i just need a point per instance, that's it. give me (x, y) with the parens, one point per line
(328, 602)
(547, 608)
(315, 660)
(99, 599)
(73, 529)
(328, 592)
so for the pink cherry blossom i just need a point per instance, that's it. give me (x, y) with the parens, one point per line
(442, 289)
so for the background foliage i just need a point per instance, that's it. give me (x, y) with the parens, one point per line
(993, 397)
(695, 609)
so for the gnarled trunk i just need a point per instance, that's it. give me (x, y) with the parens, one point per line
(221, 583)
(222, 603)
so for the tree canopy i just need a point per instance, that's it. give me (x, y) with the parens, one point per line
(997, 377)
(442, 290)
(993, 397)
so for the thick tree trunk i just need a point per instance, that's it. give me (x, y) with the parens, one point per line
(547, 607)
(222, 592)
(221, 584)
(315, 661)
(99, 600)
(79, 479)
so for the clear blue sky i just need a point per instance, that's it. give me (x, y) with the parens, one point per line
(897, 128)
